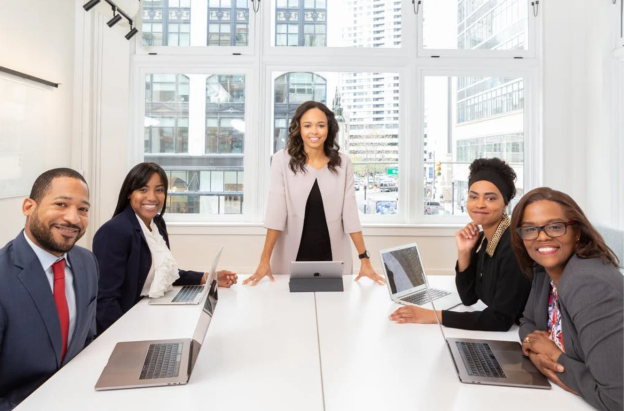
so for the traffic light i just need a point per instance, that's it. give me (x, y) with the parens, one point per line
(438, 168)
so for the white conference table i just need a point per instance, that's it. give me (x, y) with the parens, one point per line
(262, 353)
(372, 363)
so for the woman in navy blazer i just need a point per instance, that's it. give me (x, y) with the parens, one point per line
(122, 250)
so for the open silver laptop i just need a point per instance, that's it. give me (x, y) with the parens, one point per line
(405, 273)
(491, 362)
(188, 294)
(313, 269)
(156, 363)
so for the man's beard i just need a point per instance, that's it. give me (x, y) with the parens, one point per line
(45, 238)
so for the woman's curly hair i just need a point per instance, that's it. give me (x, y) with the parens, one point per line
(298, 156)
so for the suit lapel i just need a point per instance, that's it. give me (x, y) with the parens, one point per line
(143, 247)
(34, 280)
(81, 292)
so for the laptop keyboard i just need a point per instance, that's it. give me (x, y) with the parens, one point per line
(188, 293)
(423, 296)
(480, 360)
(163, 361)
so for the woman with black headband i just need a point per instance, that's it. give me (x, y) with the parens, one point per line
(486, 268)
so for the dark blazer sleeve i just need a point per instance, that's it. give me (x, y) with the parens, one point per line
(529, 321)
(5, 404)
(510, 295)
(594, 305)
(111, 246)
(187, 277)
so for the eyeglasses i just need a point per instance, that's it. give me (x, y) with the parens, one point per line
(552, 230)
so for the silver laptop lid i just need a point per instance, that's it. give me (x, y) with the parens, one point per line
(212, 274)
(205, 316)
(403, 269)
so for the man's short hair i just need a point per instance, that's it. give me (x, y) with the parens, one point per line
(43, 182)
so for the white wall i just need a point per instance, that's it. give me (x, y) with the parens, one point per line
(37, 38)
(605, 172)
(102, 109)
(564, 80)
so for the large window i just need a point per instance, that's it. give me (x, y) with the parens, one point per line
(411, 124)
(492, 25)
(166, 22)
(228, 22)
(202, 151)
(368, 118)
(336, 23)
(202, 23)
(468, 118)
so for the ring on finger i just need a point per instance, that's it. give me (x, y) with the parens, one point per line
(527, 340)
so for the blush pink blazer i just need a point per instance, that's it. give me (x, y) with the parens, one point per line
(288, 195)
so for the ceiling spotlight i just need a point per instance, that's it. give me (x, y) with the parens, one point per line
(90, 4)
(132, 32)
(115, 19)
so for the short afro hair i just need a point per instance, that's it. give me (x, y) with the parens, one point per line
(43, 182)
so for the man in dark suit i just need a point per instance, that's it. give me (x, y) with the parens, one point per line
(48, 287)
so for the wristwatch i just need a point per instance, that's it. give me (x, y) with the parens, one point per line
(365, 254)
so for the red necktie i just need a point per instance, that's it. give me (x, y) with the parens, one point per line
(61, 302)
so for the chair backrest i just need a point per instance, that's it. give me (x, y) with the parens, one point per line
(615, 240)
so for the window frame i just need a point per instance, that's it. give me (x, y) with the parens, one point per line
(250, 49)
(258, 67)
(408, 22)
(403, 72)
(532, 161)
(528, 53)
(619, 26)
(250, 208)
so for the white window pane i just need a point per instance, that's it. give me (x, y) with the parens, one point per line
(369, 131)
(346, 23)
(475, 24)
(467, 118)
(202, 181)
(216, 181)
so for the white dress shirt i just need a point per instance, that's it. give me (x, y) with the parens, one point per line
(164, 270)
(46, 259)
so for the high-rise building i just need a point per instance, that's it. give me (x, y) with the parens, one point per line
(371, 100)
(489, 114)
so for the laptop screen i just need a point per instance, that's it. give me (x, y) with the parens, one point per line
(403, 269)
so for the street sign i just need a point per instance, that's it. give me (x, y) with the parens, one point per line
(393, 171)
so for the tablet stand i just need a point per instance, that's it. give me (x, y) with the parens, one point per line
(311, 285)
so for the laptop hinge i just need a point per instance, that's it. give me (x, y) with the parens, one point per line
(193, 354)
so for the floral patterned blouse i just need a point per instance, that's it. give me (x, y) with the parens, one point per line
(554, 318)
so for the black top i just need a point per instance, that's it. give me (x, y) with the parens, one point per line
(497, 281)
(315, 244)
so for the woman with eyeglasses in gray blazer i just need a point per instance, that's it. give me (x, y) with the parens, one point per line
(573, 323)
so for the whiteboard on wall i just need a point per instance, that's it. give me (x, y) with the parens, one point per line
(23, 121)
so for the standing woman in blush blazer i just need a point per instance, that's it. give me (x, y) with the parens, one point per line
(312, 210)
(132, 248)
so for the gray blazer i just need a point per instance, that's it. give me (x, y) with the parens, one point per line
(30, 331)
(591, 303)
(288, 195)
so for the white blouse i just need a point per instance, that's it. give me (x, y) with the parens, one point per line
(164, 270)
